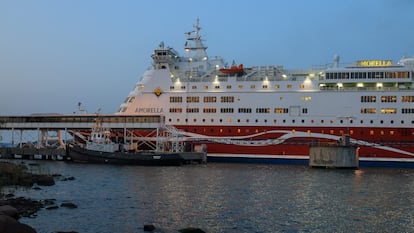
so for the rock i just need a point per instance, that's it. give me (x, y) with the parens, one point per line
(9, 211)
(26, 207)
(11, 225)
(9, 195)
(68, 205)
(149, 227)
(52, 207)
(43, 180)
(191, 230)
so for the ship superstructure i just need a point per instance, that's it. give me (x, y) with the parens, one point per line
(268, 113)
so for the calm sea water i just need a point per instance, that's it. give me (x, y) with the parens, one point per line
(226, 198)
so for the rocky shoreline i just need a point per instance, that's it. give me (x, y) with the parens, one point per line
(12, 208)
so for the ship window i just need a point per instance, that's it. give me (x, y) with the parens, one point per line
(247, 120)
(252, 86)
(408, 98)
(182, 87)
(293, 121)
(265, 121)
(402, 122)
(284, 121)
(371, 132)
(302, 86)
(341, 121)
(217, 87)
(322, 121)
(171, 87)
(238, 120)
(195, 120)
(240, 86)
(388, 110)
(256, 120)
(212, 120)
(303, 121)
(370, 99)
(362, 122)
(289, 86)
(194, 87)
(227, 99)
(228, 86)
(277, 86)
(371, 121)
(205, 87)
(264, 86)
(210, 99)
(193, 99)
(389, 98)
(392, 122)
(204, 120)
(169, 119)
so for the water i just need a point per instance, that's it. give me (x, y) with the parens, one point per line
(226, 198)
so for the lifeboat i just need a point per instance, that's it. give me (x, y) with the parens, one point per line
(233, 70)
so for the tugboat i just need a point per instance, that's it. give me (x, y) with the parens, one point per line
(99, 148)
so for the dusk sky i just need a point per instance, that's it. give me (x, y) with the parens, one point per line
(54, 54)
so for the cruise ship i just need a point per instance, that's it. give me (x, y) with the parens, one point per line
(271, 114)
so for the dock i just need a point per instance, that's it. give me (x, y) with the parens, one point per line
(66, 127)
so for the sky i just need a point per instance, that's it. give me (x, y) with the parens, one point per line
(57, 53)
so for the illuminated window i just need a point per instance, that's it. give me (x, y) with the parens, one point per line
(193, 99)
(176, 110)
(368, 110)
(194, 87)
(227, 99)
(210, 99)
(281, 110)
(277, 86)
(388, 110)
(306, 98)
(371, 132)
(408, 98)
(289, 86)
(209, 110)
(389, 98)
(205, 87)
(302, 86)
(176, 99)
(192, 110)
(240, 86)
(252, 86)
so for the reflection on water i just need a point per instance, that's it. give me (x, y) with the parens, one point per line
(227, 198)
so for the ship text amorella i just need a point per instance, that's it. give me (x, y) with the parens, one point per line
(272, 114)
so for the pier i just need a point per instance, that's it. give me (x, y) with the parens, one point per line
(67, 127)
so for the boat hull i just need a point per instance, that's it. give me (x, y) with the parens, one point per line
(81, 155)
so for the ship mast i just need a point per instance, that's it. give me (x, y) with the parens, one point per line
(194, 45)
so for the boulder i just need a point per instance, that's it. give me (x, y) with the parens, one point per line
(11, 225)
(43, 180)
(149, 227)
(191, 230)
(68, 205)
(9, 211)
